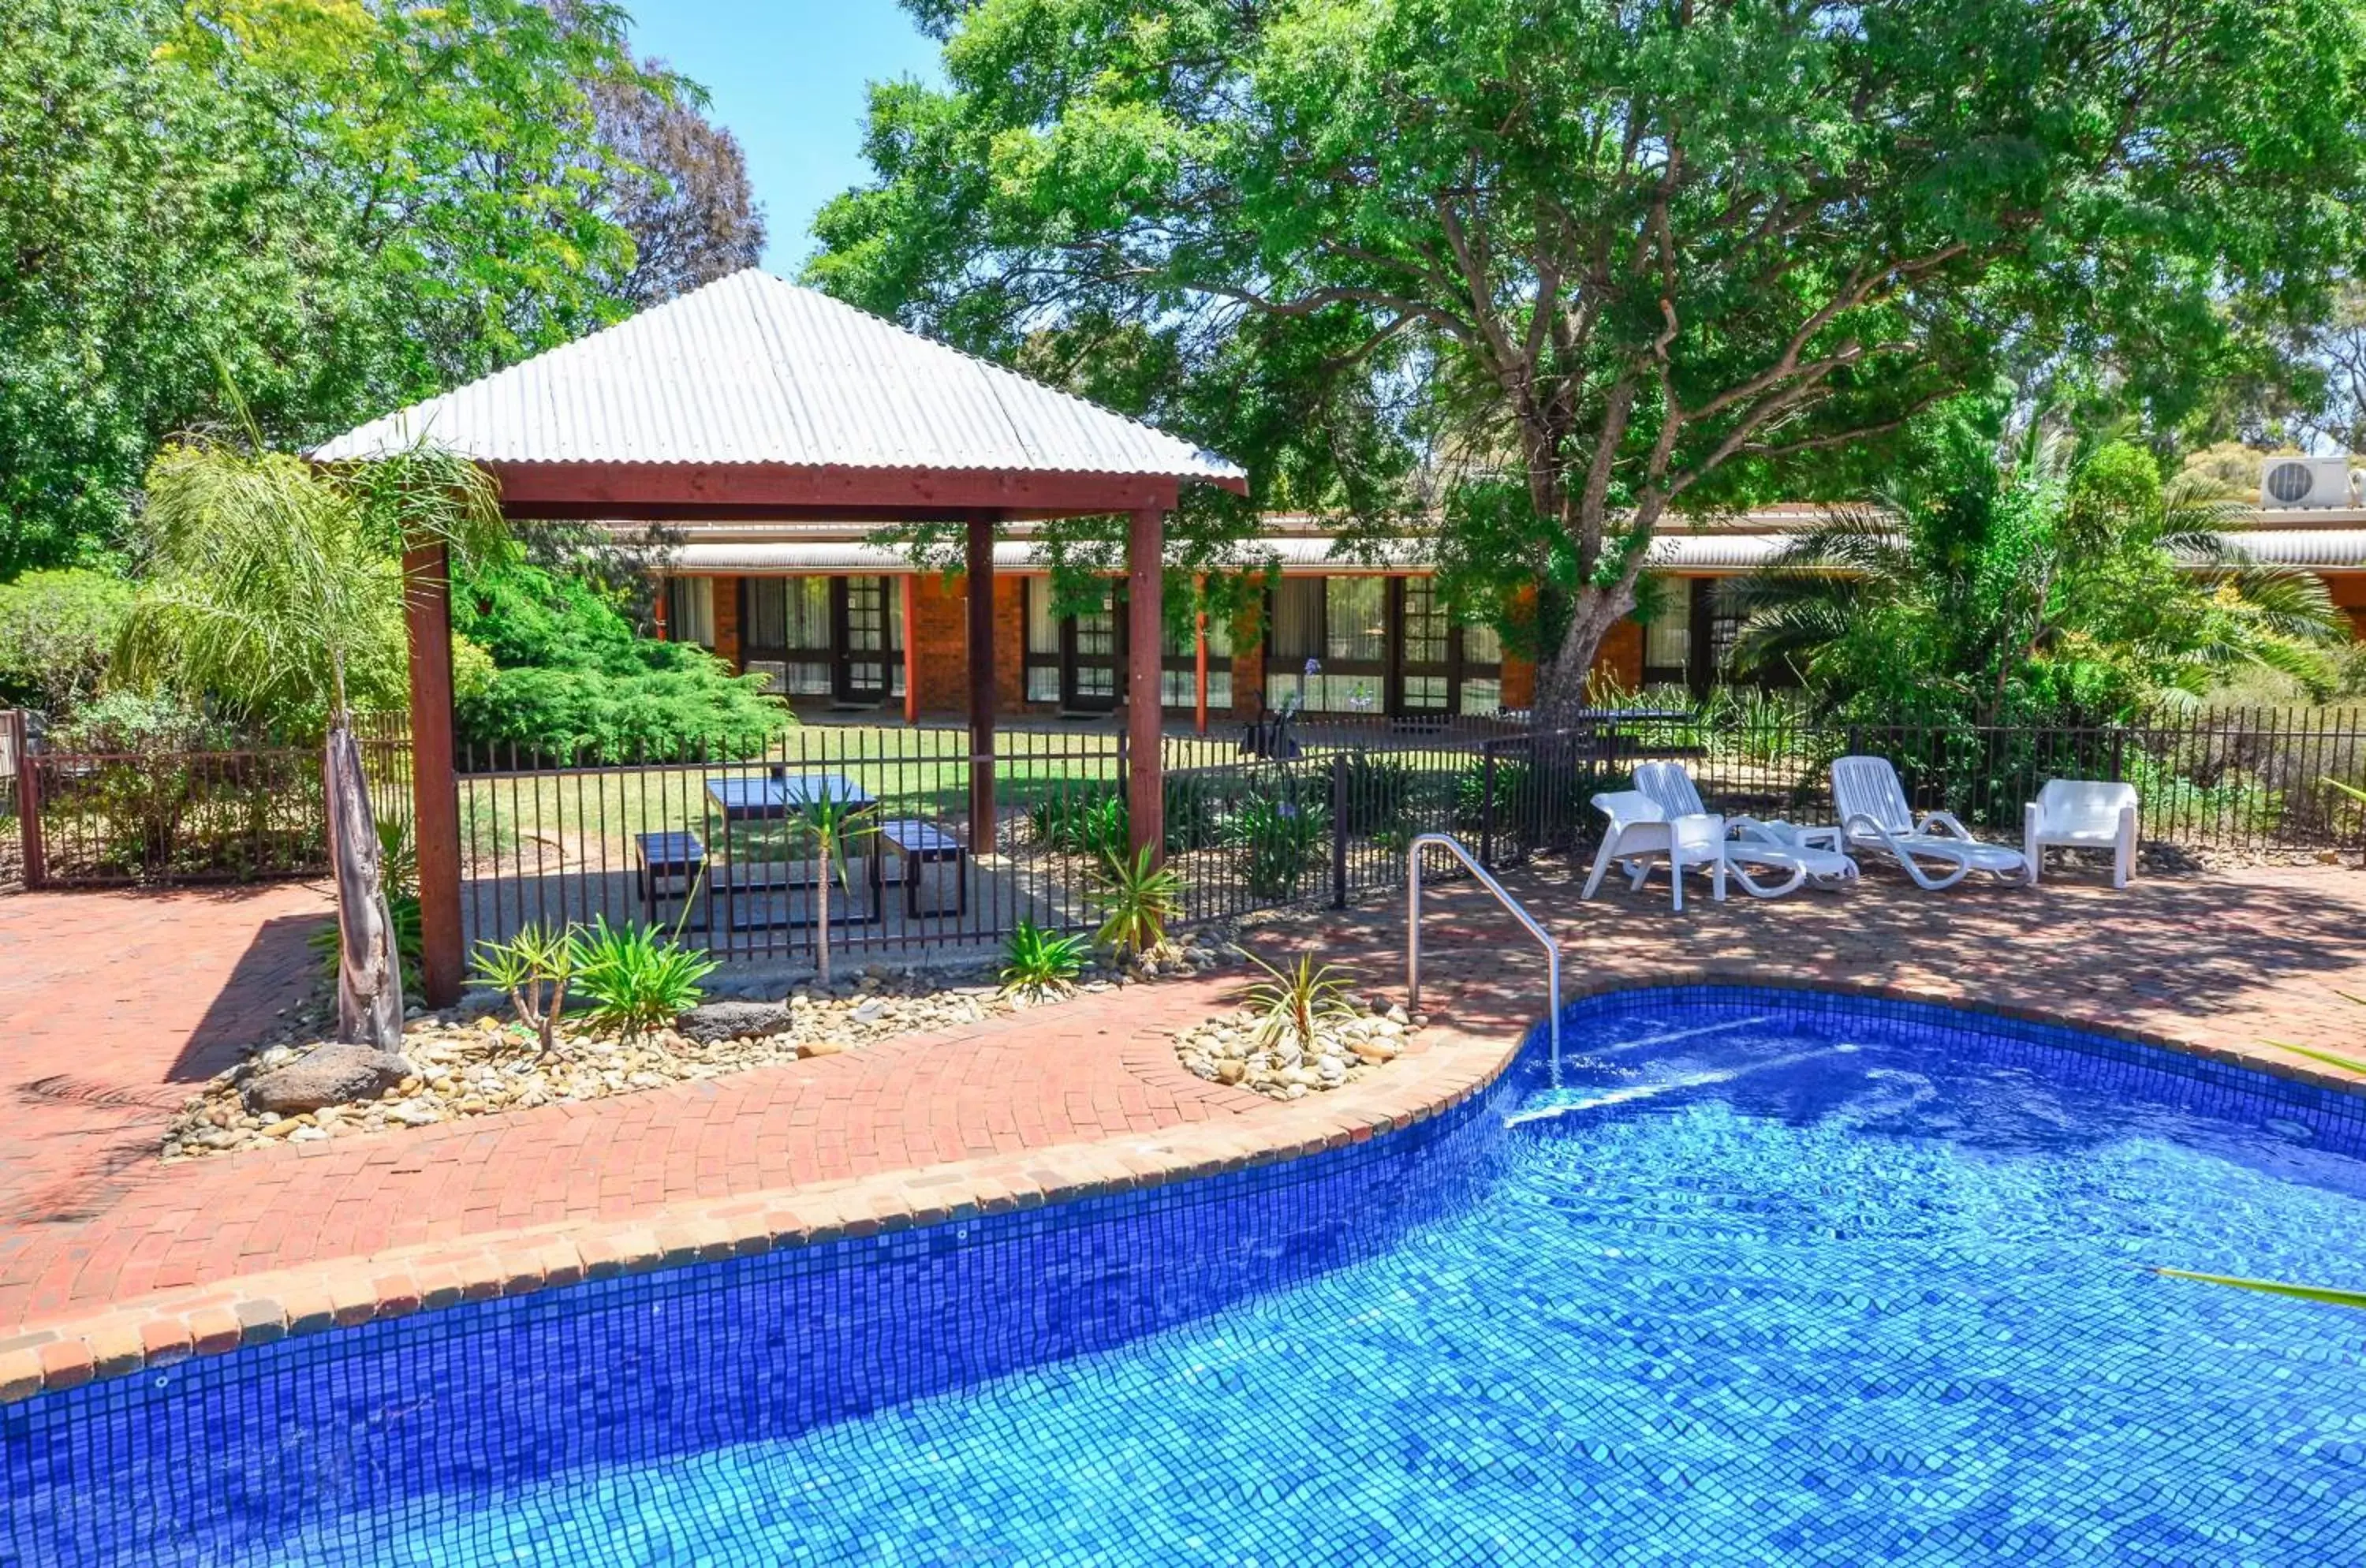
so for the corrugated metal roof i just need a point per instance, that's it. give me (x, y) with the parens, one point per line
(1306, 555)
(751, 369)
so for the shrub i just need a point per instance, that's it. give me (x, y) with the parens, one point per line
(636, 977)
(573, 680)
(1378, 794)
(1038, 964)
(142, 794)
(57, 634)
(1081, 821)
(1279, 837)
(1195, 818)
(1138, 899)
(1294, 1003)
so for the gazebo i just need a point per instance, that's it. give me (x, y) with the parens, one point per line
(753, 400)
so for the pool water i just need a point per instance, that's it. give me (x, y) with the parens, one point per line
(1751, 1285)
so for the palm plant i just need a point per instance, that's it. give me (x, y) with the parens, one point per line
(534, 968)
(2040, 576)
(1137, 898)
(838, 828)
(274, 592)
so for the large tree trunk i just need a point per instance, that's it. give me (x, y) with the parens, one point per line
(370, 972)
(1562, 673)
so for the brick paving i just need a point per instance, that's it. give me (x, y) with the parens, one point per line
(118, 1003)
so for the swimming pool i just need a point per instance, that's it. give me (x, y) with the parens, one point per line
(1769, 1277)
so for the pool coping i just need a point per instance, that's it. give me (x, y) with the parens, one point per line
(1450, 1063)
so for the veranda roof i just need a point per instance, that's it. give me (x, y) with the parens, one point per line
(753, 371)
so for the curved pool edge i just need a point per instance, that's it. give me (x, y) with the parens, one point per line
(1455, 1062)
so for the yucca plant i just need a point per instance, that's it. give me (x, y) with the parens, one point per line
(1137, 898)
(533, 967)
(1037, 963)
(637, 977)
(1293, 1004)
(838, 828)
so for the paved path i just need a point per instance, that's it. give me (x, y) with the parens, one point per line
(115, 1003)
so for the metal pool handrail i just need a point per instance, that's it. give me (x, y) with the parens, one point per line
(1448, 841)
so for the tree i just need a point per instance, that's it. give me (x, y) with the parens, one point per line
(353, 204)
(57, 631)
(277, 595)
(681, 188)
(2033, 581)
(1604, 266)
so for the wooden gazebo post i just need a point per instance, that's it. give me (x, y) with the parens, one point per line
(978, 582)
(434, 782)
(1145, 785)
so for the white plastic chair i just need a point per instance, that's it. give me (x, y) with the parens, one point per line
(1640, 832)
(1874, 816)
(1749, 843)
(2081, 814)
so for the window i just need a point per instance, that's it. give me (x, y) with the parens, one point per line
(824, 636)
(690, 610)
(1179, 664)
(1481, 688)
(1668, 636)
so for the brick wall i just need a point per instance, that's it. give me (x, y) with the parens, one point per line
(1621, 654)
(726, 620)
(1519, 682)
(1248, 661)
(940, 635)
(2349, 590)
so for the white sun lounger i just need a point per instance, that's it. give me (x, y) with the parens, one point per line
(2077, 814)
(1874, 816)
(1640, 833)
(1750, 845)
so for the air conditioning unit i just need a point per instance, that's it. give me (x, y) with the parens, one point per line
(2288, 482)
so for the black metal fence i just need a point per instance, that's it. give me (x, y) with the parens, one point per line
(89, 819)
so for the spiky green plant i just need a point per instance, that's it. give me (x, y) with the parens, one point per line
(638, 979)
(2326, 1293)
(1137, 897)
(533, 967)
(1293, 1004)
(1037, 963)
(838, 828)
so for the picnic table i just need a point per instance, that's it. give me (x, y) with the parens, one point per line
(776, 798)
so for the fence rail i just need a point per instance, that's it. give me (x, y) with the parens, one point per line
(102, 819)
(718, 845)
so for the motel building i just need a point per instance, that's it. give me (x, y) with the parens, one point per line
(837, 623)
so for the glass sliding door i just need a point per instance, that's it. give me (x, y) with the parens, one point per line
(839, 637)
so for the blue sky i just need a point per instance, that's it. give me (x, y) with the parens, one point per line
(787, 77)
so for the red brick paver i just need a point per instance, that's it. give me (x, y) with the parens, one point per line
(106, 1260)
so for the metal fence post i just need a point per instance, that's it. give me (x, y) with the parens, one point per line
(1487, 805)
(1338, 830)
(29, 799)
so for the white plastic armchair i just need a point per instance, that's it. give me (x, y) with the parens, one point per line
(2081, 813)
(1639, 832)
(1750, 845)
(1874, 816)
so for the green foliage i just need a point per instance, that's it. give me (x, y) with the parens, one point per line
(353, 203)
(572, 679)
(1378, 794)
(1194, 812)
(1326, 238)
(57, 634)
(636, 977)
(1137, 898)
(2034, 583)
(1293, 1004)
(147, 783)
(1037, 963)
(276, 588)
(1081, 821)
(1278, 834)
(534, 968)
